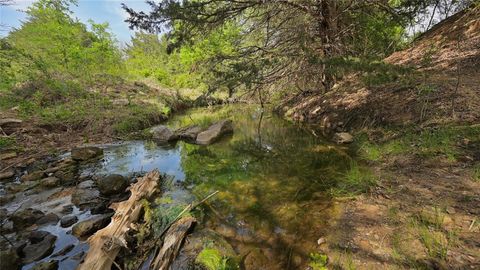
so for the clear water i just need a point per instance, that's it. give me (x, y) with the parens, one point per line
(273, 179)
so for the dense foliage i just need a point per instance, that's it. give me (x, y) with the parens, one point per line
(288, 44)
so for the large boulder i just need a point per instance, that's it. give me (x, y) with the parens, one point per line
(343, 137)
(214, 132)
(38, 250)
(86, 153)
(162, 133)
(112, 184)
(90, 226)
(188, 133)
(25, 218)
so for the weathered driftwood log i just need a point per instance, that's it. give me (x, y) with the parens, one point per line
(106, 243)
(172, 242)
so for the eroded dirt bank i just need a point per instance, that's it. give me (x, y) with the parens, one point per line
(420, 134)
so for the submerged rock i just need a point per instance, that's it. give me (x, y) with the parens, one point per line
(162, 133)
(112, 184)
(90, 226)
(188, 133)
(51, 265)
(68, 221)
(214, 132)
(343, 137)
(37, 251)
(86, 153)
(25, 218)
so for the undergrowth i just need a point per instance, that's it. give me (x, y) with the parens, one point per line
(426, 143)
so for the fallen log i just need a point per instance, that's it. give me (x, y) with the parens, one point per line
(172, 243)
(106, 243)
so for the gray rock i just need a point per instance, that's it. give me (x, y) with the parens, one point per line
(33, 176)
(112, 184)
(37, 251)
(66, 174)
(214, 132)
(37, 236)
(86, 153)
(25, 218)
(9, 260)
(50, 182)
(162, 133)
(7, 174)
(82, 197)
(90, 226)
(86, 184)
(49, 218)
(68, 221)
(189, 133)
(51, 265)
(343, 137)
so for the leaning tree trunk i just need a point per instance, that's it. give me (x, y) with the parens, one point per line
(326, 10)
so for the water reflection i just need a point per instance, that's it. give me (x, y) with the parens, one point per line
(272, 177)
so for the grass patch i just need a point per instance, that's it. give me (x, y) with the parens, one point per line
(318, 261)
(6, 142)
(427, 143)
(356, 180)
(212, 259)
(476, 173)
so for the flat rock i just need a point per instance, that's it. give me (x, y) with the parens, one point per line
(86, 153)
(49, 218)
(162, 133)
(188, 133)
(215, 132)
(9, 173)
(112, 184)
(68, 221)
(86, 184)
(90, 226)
(37, 251)
(51, 181)
(84, 196)
(343, 138)
(37, 236)
(25, 218)
(33, 176)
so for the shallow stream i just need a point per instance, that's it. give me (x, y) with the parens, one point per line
(273, 179)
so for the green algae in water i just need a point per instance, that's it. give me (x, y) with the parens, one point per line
(275, 180)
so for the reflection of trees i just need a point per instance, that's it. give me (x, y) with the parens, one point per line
(267, 174)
